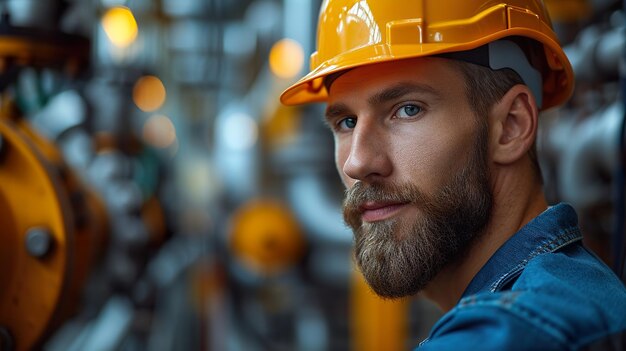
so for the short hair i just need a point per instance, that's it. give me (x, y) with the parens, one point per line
(485, 87)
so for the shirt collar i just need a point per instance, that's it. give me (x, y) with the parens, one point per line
(553, 229)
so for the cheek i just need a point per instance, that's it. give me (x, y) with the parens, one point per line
(430, 159)
(420, 164)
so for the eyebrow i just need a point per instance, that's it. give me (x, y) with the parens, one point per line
(399, 90)
(391, 93)
(336, 110)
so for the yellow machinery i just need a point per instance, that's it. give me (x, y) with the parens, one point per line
(266, 237)
(51, 226)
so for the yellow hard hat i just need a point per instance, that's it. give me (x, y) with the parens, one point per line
(353, 33)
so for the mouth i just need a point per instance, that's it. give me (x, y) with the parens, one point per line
(378, 211)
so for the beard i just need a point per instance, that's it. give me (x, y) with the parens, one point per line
(400, 257)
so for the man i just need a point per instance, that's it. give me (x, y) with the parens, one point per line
(434, 108)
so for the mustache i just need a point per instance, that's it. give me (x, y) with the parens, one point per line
(360, 193)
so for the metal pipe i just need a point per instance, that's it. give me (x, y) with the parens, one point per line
(317, 209)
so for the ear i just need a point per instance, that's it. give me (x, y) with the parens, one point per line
(514, 126)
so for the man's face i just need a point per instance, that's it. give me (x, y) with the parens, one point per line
(413, 158)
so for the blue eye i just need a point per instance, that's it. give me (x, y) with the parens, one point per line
(347, 123)
(408, 111)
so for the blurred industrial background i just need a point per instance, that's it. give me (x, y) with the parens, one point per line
(154, 194)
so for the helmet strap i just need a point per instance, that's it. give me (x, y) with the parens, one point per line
(501, 54)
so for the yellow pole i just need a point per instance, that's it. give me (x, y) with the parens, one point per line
(376, 324)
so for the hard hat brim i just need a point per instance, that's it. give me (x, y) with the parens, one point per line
(311, 87)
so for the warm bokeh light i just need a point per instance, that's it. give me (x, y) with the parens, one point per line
(159, 131)
(149, 93)
(286, 58)
(120, 26)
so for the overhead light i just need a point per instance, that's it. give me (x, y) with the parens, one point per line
(120, 26)
(286, 58)
(159, 131)
(149, 93)
(241, 131)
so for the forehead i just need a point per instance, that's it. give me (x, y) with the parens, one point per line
(438, 74)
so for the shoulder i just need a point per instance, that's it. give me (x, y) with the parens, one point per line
(574, 292)
(561, 301)
(492, 321)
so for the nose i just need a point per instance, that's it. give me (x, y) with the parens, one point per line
(368, 154)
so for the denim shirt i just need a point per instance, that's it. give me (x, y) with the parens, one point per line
(542, 290)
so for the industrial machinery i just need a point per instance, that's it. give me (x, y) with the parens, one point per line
(56, 224)
(53, 226)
